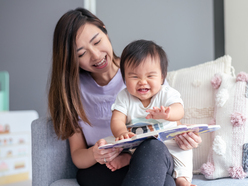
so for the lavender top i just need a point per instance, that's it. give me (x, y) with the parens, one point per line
(97, 101)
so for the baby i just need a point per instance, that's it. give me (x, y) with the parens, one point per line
(144, 68)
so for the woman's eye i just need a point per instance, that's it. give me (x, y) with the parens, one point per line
(81, 55)
(98, 42)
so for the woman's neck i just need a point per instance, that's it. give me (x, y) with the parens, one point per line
(104, 78)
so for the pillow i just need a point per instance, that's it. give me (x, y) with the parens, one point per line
(231, 113)
(198, 95)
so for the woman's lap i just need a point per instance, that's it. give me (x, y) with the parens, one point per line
(100, 175)
(151, 164)
(148, 166)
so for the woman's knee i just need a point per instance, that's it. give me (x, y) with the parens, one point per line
(154, 145)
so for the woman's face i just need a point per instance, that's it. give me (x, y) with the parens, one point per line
(94, 49)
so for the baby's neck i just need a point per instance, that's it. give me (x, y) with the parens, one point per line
(146, 102)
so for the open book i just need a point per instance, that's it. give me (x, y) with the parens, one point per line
(162, 135)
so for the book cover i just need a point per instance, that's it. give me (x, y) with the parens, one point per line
(162, 135)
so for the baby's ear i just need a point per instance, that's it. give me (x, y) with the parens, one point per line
(162, 79)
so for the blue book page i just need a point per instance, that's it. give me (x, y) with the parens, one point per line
(170, 134)
(198, 128)
(137, 139)
(209, 128)
(162, 135)
(126, 143)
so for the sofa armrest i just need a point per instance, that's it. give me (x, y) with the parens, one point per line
(51, 159)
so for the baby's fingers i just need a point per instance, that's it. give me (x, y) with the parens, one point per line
(119, 138)
(149, 116)
(167, 109)
(163, 109)
(131, 134)
(150, 110)
(156, 110)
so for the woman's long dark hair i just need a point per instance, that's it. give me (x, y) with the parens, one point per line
(64, 97)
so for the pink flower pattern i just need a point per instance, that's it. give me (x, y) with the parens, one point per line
(207, 169)
(237, 119)
(237, 172)
(242, 76)
(216, 81)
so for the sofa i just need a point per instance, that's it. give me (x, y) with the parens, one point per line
(51, 160)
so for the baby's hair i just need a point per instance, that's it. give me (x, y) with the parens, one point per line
(137, 51)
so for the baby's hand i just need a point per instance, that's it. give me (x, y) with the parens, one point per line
(159, 113)
(125, 135)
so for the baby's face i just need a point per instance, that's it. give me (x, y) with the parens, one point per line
(145, 80)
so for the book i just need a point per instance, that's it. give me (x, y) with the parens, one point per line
(161, 134)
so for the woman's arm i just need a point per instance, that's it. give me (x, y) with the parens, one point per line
(84, 157)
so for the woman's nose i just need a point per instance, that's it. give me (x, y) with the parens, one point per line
(95, 53)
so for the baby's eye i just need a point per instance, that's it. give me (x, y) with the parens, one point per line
(134, 77)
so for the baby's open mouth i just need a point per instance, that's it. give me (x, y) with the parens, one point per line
(143, 89)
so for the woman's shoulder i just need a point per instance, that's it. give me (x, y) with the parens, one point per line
(84, 76)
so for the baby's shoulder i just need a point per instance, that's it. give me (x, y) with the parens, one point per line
(165, 88)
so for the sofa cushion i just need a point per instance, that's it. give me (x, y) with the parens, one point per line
(231, 113)
(197, 180)
(65, 182)
(194, 85)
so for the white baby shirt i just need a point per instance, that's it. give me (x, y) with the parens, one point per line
(133, 108)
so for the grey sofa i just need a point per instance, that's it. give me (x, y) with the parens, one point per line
(52, 164)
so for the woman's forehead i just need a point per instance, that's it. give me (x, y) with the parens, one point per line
(87, 30)
(86, 33)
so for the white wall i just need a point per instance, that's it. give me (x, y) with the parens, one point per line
(185, 29)
(236, 33)
(26, 35)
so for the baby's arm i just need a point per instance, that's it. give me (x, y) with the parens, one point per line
(118, 126)
(174, 112)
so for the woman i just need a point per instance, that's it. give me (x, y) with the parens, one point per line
(85, 80)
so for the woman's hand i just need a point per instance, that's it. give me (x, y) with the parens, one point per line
(188, 140)
(103, 156)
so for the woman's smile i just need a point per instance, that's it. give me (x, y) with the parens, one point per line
(102, 64)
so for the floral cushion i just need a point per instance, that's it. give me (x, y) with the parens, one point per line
(231, 113)
(194, 85)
